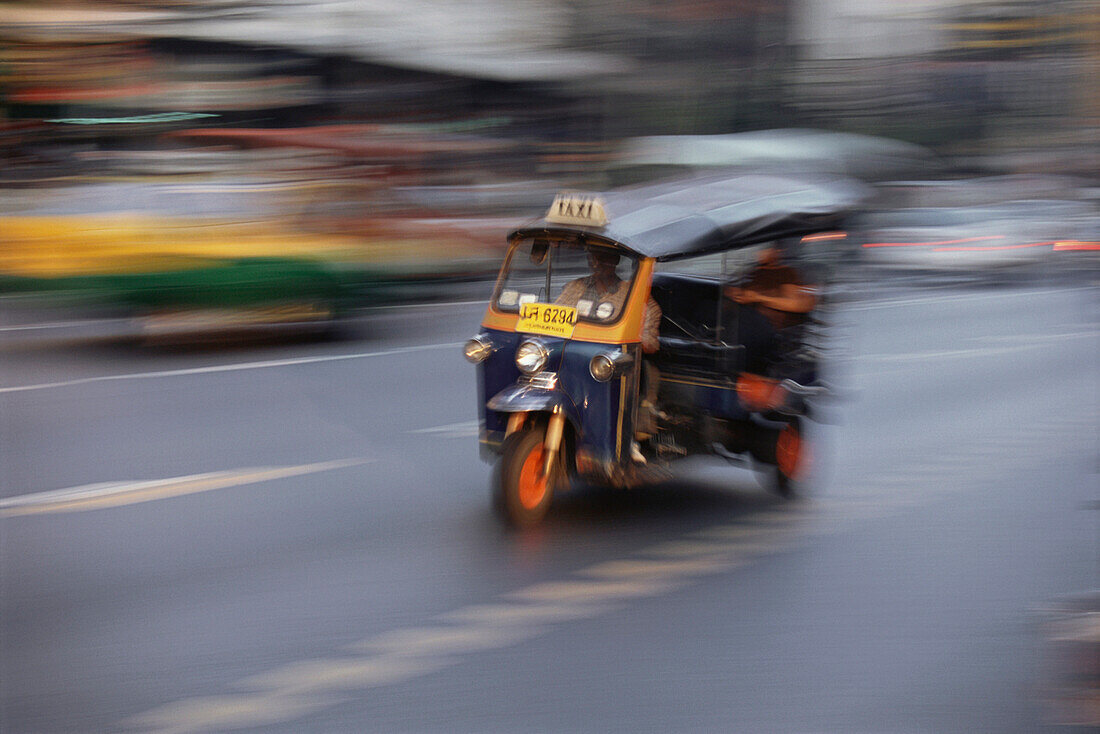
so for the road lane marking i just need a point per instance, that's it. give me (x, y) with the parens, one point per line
(80, 323)
(972, 352)
(1032, 337)
(465, 429)
(682, 548)
(236, 367)
(449, 640)
(736, 533)
(520, 613)
(654, 570)
(301, 687)
(117, 494)
(218, 713)
(595, 591)
(340, 674)
(955, 297)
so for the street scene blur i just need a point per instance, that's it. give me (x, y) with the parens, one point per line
(783, 411)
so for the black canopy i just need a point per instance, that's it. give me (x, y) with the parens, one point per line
(689, 217)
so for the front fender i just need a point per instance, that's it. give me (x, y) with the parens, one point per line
(526, 398)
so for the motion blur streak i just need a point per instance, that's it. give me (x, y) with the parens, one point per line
(928, 244)
(993, 247)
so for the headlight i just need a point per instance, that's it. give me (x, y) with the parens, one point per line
(601, 367)
(531, 357)
(478, 349)
(606, 365)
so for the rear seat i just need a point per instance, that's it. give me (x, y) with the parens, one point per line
(689, 308)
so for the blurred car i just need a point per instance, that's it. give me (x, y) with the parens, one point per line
(186, 257)
(993, 242)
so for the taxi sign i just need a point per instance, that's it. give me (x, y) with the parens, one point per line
(587, 211)
(548, 319)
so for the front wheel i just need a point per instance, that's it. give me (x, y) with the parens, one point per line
(521, 489)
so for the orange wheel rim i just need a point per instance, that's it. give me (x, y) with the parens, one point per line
(788, 452)
(533, 484)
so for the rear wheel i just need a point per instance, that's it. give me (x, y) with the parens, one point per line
(521, 489)
(792, 457)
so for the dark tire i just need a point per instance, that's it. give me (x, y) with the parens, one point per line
(784, 485)
(787, 475)
(521, 493)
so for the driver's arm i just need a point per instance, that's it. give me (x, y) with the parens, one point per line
(651, 324)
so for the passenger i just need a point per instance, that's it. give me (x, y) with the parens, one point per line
(777, 298)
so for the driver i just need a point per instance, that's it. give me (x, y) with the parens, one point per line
(604, 286)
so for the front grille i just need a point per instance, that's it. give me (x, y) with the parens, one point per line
(543, 380)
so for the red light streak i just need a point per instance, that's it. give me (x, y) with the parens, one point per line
(932, 244)
(992, 247)
(825, 236)
(1071, 245)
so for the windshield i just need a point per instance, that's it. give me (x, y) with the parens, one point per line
(594, 280)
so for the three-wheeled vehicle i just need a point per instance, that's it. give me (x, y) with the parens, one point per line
(567, 391)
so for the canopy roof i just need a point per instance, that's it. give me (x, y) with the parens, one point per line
(689, 217)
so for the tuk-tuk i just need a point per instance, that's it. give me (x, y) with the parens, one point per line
(567, 391)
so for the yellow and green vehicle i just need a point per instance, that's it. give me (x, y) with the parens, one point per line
(200, 254)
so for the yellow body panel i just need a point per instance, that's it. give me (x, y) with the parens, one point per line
(627, 330)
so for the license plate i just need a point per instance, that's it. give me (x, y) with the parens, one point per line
(548, 319)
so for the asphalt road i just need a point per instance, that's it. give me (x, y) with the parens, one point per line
(296, 537)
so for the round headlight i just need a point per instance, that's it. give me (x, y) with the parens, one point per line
(531, 357)
(601, 367)
(478, 349)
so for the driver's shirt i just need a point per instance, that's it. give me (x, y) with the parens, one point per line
(587, 289)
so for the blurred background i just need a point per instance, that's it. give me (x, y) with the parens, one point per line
(294, 535)
(327, 155)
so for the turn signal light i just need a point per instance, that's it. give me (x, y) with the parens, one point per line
(601, 367)
(606, 365)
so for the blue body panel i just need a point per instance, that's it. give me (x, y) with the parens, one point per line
(601, 413)
(712, 397)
